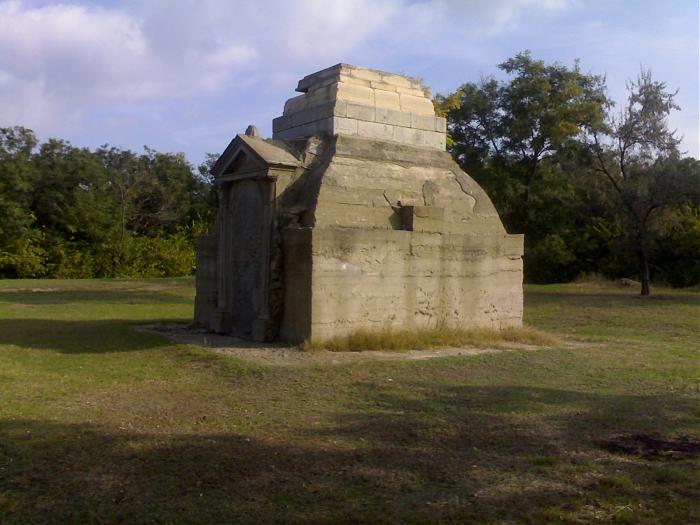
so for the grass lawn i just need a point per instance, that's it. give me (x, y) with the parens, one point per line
(100, 423)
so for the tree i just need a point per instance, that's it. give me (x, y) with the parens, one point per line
(638, 154)
(501, 131)
(20, 253)
(16, 181)
(510, 136)
(206, 197)
(678, 243)
(72, 212)
(68, 195)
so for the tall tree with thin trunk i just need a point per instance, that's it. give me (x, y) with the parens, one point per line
(637, 152)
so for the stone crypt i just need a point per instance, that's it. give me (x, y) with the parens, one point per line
(353, 217)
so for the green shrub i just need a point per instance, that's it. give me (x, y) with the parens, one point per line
(131, 256)
(168, 255)
(24, 258)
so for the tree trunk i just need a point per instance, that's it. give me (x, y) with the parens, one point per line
(644, 271)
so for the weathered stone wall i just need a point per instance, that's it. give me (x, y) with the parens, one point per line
(368, 221)
(296, 318)
(362, 102)
(206, 280)
(367, 184)
(409, 280)
(401, 237)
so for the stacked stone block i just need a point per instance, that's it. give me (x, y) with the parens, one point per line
(346, 100)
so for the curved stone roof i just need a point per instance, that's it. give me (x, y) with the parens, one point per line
(360, 183)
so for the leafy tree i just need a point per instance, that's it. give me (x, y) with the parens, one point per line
(21, 254)
(16, 179)
(206, 196)
(502, 131)
(516, 137)
(638, 155)
(73, 212)
(678, 245)
(162, 199)
(68, 195)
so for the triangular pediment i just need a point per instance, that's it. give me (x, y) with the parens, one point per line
(252, 154)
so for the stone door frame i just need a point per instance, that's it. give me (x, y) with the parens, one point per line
(263, 326)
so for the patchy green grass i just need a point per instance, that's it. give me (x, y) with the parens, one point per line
(439, 337)
(100, 423)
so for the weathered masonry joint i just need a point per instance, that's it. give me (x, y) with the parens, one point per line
(353, 216)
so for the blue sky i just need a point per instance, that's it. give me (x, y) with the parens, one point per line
(185, 75)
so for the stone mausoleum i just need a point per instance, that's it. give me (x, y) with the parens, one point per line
(353, 217)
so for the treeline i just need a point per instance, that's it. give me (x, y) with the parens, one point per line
(596, 187)
(74, 212)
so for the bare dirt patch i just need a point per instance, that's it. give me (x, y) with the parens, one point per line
(32, 290)
(287, 355)
(654, 448)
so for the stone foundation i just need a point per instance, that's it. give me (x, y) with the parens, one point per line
(368, 280)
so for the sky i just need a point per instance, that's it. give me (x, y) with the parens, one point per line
(186, 75)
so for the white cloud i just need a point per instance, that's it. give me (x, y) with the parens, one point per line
(488, 17)
(146, 50)
(55, 60)
(321, 30)
(72, 49)
(143, 65)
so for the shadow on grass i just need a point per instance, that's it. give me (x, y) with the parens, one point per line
(605, 300)
(74, 337)
(461, 454)
(103, 296)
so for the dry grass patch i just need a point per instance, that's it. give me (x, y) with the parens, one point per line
(439, 337)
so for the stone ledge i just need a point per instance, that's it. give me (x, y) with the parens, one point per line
(359, 112)
(357, 75)
(372, 130)
(310, 114)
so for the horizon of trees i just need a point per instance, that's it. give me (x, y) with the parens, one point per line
(74, 212)
(595, 187)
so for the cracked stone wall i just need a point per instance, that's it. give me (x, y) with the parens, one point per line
(401, 238)
(407, 280)
(369, 222)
